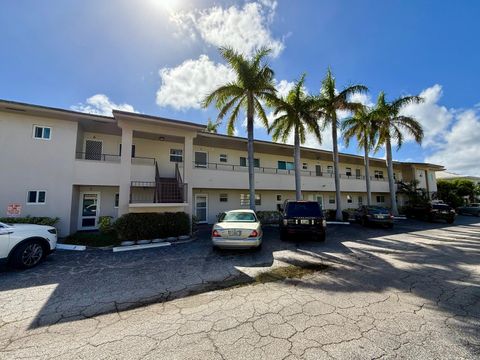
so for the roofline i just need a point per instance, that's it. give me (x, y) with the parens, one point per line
(52, 109)
(158, 118)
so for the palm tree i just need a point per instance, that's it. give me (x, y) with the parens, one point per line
(363, 127)
(296, 112)
(253, 85)
(330, 101)
(390, 127)
(212, 127)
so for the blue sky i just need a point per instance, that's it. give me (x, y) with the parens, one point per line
(157, 57)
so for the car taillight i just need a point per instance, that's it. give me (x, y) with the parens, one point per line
(254, 233)
(391, 216)
(215, 233)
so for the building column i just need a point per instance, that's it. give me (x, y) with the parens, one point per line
(188, 172)
(125, 170)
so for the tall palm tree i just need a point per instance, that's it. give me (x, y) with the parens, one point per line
(390, 127)
(253, 85)
(363, 127)
(330, 101)
(295, 113)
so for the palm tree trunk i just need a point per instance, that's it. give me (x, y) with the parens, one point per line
(391, 181)
(367, 175)
(298, 178)
(338, 199)
(251, 169)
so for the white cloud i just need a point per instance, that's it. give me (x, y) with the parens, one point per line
(460, 146)
(434, 118)
(100, 104)
(186, 85)
(243, 28)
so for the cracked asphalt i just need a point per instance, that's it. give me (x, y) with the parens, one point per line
(413, 292)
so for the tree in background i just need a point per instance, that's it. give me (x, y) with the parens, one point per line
(455, 191)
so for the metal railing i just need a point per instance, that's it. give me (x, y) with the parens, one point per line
(97, 157)
(268, 170)
(154, 192)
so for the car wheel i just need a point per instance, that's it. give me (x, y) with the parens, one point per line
(28, 255)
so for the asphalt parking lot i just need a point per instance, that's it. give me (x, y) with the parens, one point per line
(410, 292)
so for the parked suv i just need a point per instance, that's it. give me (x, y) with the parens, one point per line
(302, 218)
(369, 215)
(432, 212)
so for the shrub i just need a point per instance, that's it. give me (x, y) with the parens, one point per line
(105, 224)
(140, 226)
(269, 217)
(37, 220)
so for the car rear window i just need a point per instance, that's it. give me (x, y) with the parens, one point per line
(377, 210)
(239, 217)
(303, 209)
(441, 207)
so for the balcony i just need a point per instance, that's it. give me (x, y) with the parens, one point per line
(104, 169)
(218, 175)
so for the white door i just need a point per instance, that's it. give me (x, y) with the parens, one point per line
(319, 198)
(201, 208)
(89, 210)
(93, 150)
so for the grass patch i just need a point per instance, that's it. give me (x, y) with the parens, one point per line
(289, 272)
(94, 239)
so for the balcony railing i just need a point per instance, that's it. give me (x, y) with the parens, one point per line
(140, 160)
(97, 157)
(268, 170)
(156, 192)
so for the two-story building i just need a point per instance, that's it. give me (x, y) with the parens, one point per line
(79, 167)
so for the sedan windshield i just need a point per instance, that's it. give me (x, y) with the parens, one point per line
(239, 217)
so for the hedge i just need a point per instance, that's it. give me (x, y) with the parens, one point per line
(37, 220)
(269, 217)
(146, 226)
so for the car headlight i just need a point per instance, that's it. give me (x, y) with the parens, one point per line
(52, 231)
(285, 222)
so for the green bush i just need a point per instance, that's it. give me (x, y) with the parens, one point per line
(269, 217)
(37, 220)
(105, 224)
(140, 226)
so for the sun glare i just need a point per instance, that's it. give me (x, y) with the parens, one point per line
(171, 6)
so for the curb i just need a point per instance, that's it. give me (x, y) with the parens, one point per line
(140, 247)
(61, 246)
(338, 223)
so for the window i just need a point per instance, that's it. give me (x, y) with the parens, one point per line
(348, 172)
(358, 173)
(176, 155)
(223, 197)
(243, 162)
(380, 199)
(285, 165)
(318, 170)
(331, 199)
(201, 159)
(360, 200)
(117, 197)
(36, 197)
(279, 197)
(378, 174)
(305, 166)
(42, 132)
(330, 169)
(349, 199)
(223, 158)
(120, 150)
(245, 199)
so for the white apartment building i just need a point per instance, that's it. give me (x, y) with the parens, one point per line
(76, 166)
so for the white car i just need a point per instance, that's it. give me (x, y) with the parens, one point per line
(25, 245)
(237, 229)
